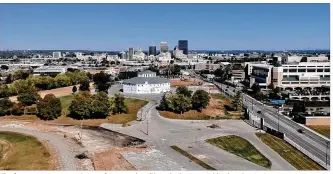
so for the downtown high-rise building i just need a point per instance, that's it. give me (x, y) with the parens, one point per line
(130, 53)
(152, 50)
(183, 45)
(164, 47)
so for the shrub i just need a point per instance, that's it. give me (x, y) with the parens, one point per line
(17, 109)
(5, 105)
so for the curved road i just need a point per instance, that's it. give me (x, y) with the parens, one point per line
(65, 148)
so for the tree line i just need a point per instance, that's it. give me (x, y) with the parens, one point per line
(184, 101)
(83, 106)
(42, 82)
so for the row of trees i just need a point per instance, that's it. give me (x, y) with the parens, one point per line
(47, 108)
(183, 101)
(34, 83)
(88, 106)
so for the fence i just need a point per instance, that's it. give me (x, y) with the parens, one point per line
(307, 153)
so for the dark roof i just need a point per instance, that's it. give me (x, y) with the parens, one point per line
(143, 80)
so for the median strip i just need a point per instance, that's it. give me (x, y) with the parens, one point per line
(289, 153)
(240, 147)
(189, 156)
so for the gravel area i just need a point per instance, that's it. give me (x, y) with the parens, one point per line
(151, 160)
(66, 149)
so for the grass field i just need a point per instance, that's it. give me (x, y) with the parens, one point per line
(220, 97)
(194, 159)
(289, 153)
(189, 115)
(22, 152)
(240, 147)
(324, 130)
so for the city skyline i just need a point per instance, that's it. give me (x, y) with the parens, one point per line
(205, 26)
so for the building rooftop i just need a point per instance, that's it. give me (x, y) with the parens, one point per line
(143, 80)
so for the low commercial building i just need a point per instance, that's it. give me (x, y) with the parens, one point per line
(237, 76)
(146, 83)
(50, 70)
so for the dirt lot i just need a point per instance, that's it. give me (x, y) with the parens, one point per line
(102, 146)
(188, 82)
(114, 158)
(58, 92)
(215, 109)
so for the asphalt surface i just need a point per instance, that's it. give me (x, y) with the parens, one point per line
(160, 133)
(309, 140)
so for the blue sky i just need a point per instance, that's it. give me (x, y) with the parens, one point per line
(206, 26)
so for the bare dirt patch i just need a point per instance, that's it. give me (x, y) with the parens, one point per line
(112, 159)
(185, 82)
(58, 92)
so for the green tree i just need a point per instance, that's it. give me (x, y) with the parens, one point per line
(5, 105)
(237, 101)
(165, 104)
(84, 85)
(74, 89)
(24, 86)
(80, 106)
(102, 81)
(200, 100)
(28, 98)
(181, 103)
(62, 80)
(4, 91)
(20, 74)
(184, 90)
(49, 108)
(100, 106)
(77, 77)
(120, 106)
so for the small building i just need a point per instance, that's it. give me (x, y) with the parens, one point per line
(146, 83)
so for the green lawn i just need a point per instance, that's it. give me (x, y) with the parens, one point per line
(189, 156)
(65, 102)
(23, 153)
(289, 153)
(324, 130)
(240, 147)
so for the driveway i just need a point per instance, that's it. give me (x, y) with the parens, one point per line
(161, 133)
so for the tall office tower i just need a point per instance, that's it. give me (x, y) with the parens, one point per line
(164, 47)
(152, 50)
(183, 45)
(130, 53)
(57, 55)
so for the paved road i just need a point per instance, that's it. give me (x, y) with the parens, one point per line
(309, 140)
(66, 150)
(163, 132)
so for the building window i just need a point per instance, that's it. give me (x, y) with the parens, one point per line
(292, 70)
(327, 70)
(285, 70)
(304, 82)
(301, 70)
(285, 82)
(320, 70)
(311, 70)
